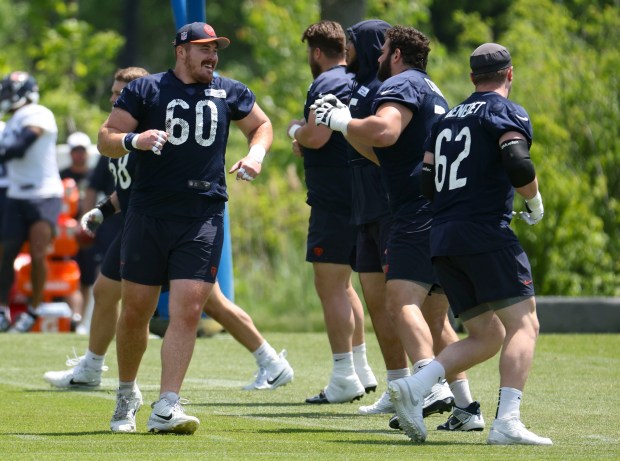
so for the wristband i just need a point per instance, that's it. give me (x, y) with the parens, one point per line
(106, 207)
(292, 130)
(130, 141)
(535, 203)
(257, 152)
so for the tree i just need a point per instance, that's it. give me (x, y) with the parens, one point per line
(345, 12)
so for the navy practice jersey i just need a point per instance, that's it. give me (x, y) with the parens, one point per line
(370, 201)
(189, 175)
(472, 207)
(100, 178)
(401, 163)
(123, 170)
(328, 177)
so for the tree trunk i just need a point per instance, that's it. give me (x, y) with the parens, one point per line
(346, 12)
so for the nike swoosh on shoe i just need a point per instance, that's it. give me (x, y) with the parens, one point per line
(271, 381)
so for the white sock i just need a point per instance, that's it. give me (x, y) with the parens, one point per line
(462, 394)
(171, 397)
(509, 403)
(419, 365)
(429, 375)
(359, 356)
(265, 354)
(93, 361)
(125, 388)
(393, 375)
(343, 364)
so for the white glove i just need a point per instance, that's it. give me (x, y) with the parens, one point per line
(91, 221)
(336, 118)
(535, 210)
(327, 99)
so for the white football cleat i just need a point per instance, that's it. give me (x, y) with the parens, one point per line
(513, 432)
(170, 417)
(408, 400)
(79, 376)
(440, 400)
(382, 405)
(124, 418)
(341, 389)
(367, 377)
(273, 375)
(464, 419)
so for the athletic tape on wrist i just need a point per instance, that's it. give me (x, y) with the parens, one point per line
(257, 152)
(292, 130)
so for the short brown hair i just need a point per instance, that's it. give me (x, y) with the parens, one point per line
(130, 73)
(413, 45)
(328, 36)
(497, 76)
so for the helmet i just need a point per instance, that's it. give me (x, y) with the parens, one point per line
(78, 139)
(16, 89)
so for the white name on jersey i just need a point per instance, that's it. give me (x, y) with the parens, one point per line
(463, 110)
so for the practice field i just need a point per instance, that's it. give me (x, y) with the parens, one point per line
(571, 396)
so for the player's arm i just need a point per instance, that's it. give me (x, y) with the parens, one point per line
(21, 142)
(117, 137)
(257, 129)
(520, 169)
(310, 135)
(382, 129)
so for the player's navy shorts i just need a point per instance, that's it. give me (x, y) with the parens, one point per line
(331, 238)
(25, 212)
(90, 259)
(155, 250)
(371, 245)
(2, 205)
(481, 282)
(111, 265)
(408, 255)
(85, 259)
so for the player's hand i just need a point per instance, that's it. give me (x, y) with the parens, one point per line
(535, 210)
(328, 99)
(336, 118)
(91, 220)
(152, 140)
(247, 169)
(296, 148)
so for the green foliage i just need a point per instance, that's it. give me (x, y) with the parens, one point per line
(67, 57)
(566, 86)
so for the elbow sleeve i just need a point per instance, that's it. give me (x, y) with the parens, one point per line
(517, 162)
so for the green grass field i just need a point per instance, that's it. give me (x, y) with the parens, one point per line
(571, 396)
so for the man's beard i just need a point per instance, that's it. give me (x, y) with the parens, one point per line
(354, 66)
(197, 73)
(315, 69)
(384, 72)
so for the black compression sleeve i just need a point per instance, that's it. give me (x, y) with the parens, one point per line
(517, 162)
(106, 207)
(427, 181)
(18, 148)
